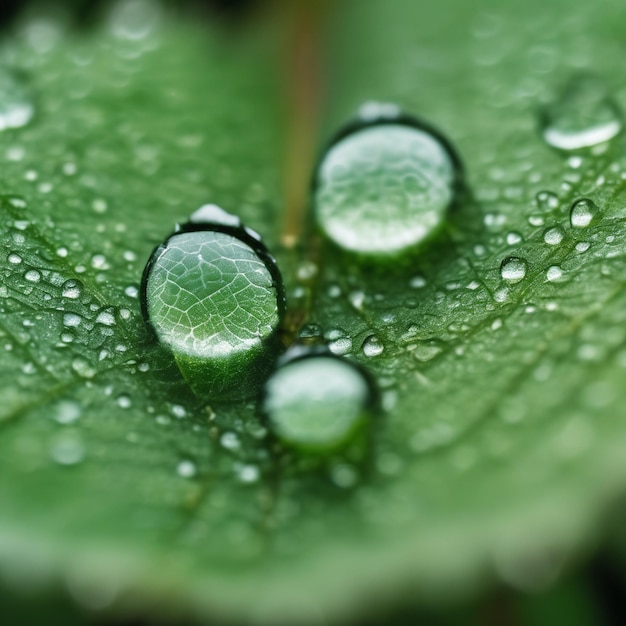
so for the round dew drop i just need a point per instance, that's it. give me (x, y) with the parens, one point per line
(385, 185)
(16, 101)
(584, 115)
(582, 213)
(317, 402)
(513, 269)
(214, 297)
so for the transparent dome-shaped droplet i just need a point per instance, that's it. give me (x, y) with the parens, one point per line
(584, 115)
(32, 276)
(547, 201)
(317, 402)
(554, 274)
(582, 213)
(373, 346)
(16, 101)
(553, 236)
(513, 269)
(214, 297)
(383, 187)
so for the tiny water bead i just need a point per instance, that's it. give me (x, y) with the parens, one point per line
(582, 213)
(513, 269)
(214, 297)
(584, 115)
(317, 402)
(384, 185)
(16, 101)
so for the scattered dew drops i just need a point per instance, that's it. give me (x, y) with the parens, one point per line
(513, 269)
(247, 473)
(385, 186)
(582, 213)
(583, 116)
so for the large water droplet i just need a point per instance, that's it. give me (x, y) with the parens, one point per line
(583, 116)
(317, 402)
(214, 297)
(16, 101)
(582, 213)
(384, 186)
(513, 269)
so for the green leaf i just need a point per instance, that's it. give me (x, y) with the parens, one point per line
(501, 443)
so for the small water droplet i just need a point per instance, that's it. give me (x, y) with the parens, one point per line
(247, 473)
(582, 246)
(425, 351)
(554, 273)
(230, 441)
(513, 269)
(32, 276)
(553, 236)
(513, 238)
(66, 411)
(71, 289)
(417, 282)
(124, 401)
(72, 320)
(16, 101)
(14, 258)
(547, 201)
(131, 291)
(582, 213)
(186, 469)
(372, 346)
(344, 475)
(583, 116)
(317, 402)
(385, 186)
(67, 449)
